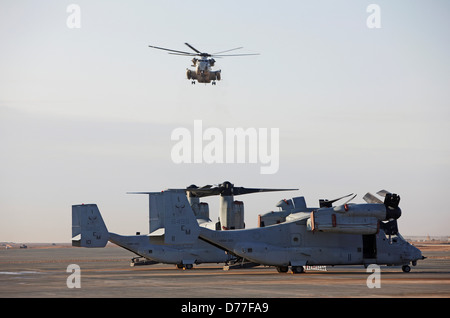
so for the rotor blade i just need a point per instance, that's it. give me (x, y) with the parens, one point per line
(204, 192)
(242, 190)
(143, 192)
(350, 199)
(324, 203)
(234, 54)
(237, 48)
(193, 48)
(370, 198)
(383, 193)
(161, 48)
(184, 54)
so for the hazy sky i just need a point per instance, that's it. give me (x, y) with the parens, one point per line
(86, 114)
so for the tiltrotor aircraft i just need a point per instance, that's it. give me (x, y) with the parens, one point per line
(169, 245)
(171, 240)
(348, 234)
(203, 72)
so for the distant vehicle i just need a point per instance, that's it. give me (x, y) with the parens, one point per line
(203, 72)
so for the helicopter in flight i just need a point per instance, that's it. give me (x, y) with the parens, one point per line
(203, 63)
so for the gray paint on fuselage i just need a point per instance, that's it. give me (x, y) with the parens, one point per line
(291, 242)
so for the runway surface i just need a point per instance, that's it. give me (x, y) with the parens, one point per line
(105, 272)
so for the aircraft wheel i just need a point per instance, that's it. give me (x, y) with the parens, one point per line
(406, 268)
(282, 269)
(188, 266)
(297, 269)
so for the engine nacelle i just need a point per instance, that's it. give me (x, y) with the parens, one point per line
(327, 221)
(356, 218)
(377, 211)
(238, 213)
(201, 210)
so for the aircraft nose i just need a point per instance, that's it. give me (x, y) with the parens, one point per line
(416, 253)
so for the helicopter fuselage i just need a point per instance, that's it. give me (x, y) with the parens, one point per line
(203, 72)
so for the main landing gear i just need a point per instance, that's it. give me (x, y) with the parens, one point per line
(294, 269)
(184, 266)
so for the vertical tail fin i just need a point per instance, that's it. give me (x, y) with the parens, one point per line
(180, 223)
(171, 210)
(156, 210)
(88, 228)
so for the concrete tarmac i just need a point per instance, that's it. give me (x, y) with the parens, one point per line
(106, 272)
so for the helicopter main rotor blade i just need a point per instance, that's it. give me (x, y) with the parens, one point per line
(170, 50)
(184, 54)
(237, 48)
(193, 48)
(234, 54)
